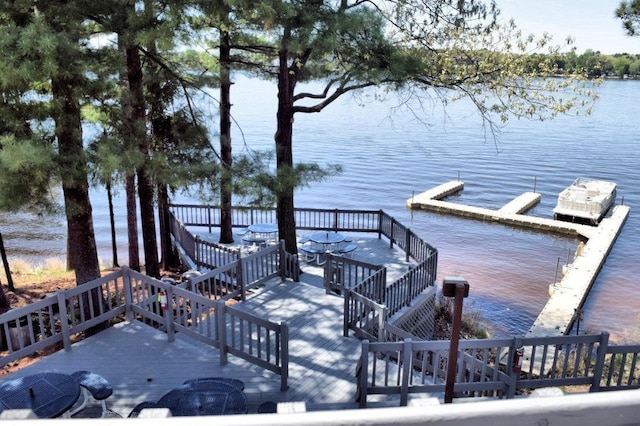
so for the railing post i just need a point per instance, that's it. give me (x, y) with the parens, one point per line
(407, 242)
(64, 322)
(328, 273)
(391, 237)
(346, 313)
(406, 372)
(362, 376)
(284, 351)
(196, 250)
(282, 260)
(600, 360)
(168, 314)
(514, 375)
(383, 279)
(221, 330)
(209, 207)
(240, 278)
(335, 220)
(128, 293)
(382, 319)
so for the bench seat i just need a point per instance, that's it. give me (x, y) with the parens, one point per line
(349, 248)
(95, 385)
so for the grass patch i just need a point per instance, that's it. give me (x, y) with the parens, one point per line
(471, 327)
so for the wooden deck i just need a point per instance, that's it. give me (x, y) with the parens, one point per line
(142, 365)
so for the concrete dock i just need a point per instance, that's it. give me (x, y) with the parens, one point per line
(511, 213)
(558, 315)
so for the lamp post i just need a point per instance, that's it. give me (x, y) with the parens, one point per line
(457, 288)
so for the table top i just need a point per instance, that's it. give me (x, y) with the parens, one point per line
(327, 237)
(205, 399)
(263, 228)
(46, 394)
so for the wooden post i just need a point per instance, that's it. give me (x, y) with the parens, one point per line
(221, 330)
(284, 356)
(64, 322)
(168, 314)
(600, 360)
(459, 289)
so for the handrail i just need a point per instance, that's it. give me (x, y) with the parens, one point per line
(363, 316)
(486, 367)
(342, 272)
(401, 292)
(260, 342)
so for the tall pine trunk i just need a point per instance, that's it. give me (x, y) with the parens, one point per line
(75, 184)
(129, 142)
(132, 221)
(83, 254)
(112, 226)
(284, 152)
(170, 257)
(226, 222)
(145, 185)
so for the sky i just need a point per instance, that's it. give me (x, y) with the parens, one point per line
(591, 23)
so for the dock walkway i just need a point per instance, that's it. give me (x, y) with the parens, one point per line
(558, 315)
(511, 213)
(571, 292)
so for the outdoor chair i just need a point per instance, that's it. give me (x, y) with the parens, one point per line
(95, 385)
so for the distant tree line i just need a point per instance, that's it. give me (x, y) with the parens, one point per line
(596, 64)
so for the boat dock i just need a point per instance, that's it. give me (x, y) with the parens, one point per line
(511, 213)
(558, 315)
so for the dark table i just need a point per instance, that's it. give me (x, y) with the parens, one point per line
(205, 398)
(46, 394)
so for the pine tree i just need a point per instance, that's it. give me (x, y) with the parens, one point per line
(43, 79)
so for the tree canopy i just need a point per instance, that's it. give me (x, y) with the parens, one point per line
(130, 67)
(629, 13)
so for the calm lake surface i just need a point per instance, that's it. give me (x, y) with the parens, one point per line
(390, 153)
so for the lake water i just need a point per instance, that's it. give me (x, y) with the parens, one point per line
(389, 154)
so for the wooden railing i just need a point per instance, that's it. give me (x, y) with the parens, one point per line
(260, 342)
(363, 316)
(210, 255)
(342, 273)
(414, 246)
(366, 221)
(486, 367)
(404, 290)
(351, 277)
(621, 369)
(130, 295)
